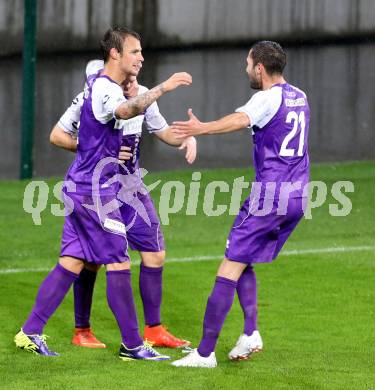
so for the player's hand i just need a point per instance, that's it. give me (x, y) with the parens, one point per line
(190, 144)
(125, 153)
(188, 128)
(176, 80)
(130, 88)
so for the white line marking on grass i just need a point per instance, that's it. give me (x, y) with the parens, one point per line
(294, 252)
(283, 253)
(22, 270)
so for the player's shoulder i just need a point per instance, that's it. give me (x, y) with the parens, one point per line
(293, 87)
(105, 83)
(103, 87)
(93, 67)
(269, 97)
(270, 93)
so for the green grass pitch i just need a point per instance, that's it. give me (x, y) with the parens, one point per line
(316, 309)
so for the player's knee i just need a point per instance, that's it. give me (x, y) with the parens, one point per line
(71, 264)
(231, 269)
(153, 259)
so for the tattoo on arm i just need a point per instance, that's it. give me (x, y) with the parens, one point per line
(138, 104)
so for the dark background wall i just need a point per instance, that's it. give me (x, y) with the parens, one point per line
(65, 25)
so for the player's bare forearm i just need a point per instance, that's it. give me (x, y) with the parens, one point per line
(194, 126)
(233, 122)
(168, 137)
(138, 104)
(188, 143)
(61, 139)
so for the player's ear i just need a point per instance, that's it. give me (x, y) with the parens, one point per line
(114, 54)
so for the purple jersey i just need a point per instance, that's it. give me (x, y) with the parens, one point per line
(98, 136)
(131, 129)
(280, 120)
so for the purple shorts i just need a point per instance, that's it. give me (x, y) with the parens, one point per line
(90, 234)
(259, 239)
(142, 225)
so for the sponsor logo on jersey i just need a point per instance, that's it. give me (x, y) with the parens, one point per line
(114, 225)
(295, 102)
(130, 126)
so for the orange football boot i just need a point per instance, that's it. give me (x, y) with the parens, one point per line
(84, 337)
(159, 336)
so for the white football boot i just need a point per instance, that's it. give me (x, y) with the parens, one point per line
(246, 345)
(193, 359)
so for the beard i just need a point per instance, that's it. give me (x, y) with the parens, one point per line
(255, 83)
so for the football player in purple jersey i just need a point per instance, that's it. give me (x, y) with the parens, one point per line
(279, 117)
(94, 230)
(144, 232)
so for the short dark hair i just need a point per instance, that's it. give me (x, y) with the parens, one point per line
(114, 38)
(270, 54)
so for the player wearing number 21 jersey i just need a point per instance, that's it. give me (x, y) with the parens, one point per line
(279, 116)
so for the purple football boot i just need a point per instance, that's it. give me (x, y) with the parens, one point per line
(143, 352)
(34, 343)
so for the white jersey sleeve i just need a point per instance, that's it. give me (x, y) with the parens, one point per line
(69, 121)
(262, 106)
(93, 67)
(153, 118)
(106, 98)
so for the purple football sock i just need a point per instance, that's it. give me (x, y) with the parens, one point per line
(247, 295)
(150, 287)
(218, 306)
(51, 293)
(121, 301)
(83, 290)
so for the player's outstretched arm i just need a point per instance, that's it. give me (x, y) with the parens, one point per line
(138, 104)
(62, 139)
(194, 126)
(189, 143)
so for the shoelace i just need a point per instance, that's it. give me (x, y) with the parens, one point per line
(43, 339)
(148, 346)
(149, 342)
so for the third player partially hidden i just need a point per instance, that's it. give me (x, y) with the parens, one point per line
(279, 116)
